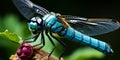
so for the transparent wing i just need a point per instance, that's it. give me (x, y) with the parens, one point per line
(29, 9)
(92, 27)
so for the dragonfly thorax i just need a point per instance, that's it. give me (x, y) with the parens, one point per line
(35, 25)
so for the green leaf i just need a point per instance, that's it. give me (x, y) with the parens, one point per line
(86, 53)
(13, 23)
(9, 42)
(11, 36)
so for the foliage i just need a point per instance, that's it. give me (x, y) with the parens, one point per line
(85, 54)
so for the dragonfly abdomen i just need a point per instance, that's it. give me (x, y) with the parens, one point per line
(74, 35)
(55, 26)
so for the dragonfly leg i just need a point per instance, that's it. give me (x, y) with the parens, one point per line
(34, 38)
(42, 40)
(62, 43)
(46, 32)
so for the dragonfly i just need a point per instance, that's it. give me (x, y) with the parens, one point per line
(75, 28)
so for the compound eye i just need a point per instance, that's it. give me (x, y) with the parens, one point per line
(39, 21)
(35, 25)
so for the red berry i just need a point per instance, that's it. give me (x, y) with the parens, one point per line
(26, 45)
(19, 52)
(25, 51)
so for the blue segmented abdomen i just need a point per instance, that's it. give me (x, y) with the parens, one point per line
(55, 26)
(74, 35)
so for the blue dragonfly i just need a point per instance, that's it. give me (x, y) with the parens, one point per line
(78, 29)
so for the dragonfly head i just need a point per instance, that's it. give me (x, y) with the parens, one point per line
(36, 25)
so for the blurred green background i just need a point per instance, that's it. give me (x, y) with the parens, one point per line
(16, 24)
